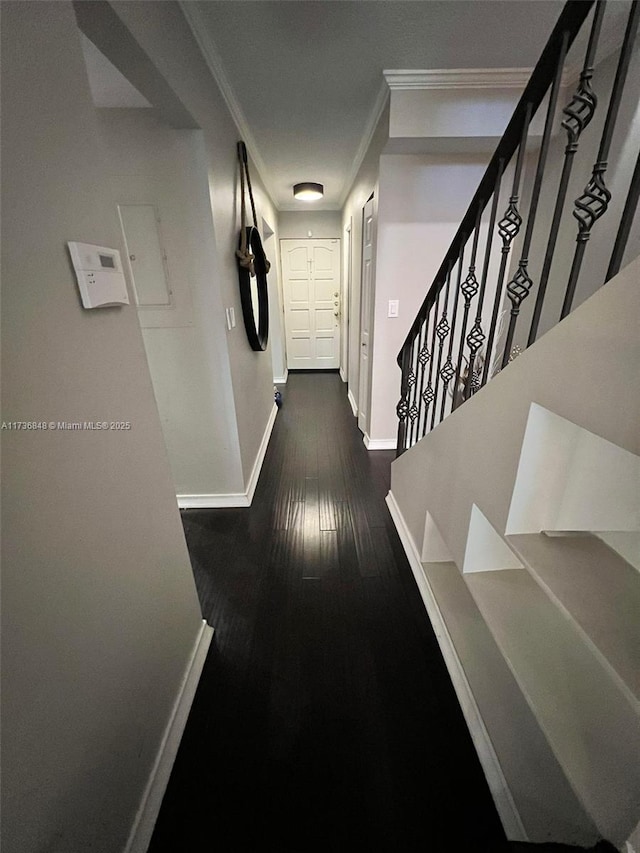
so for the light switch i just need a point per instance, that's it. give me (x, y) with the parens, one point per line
(393, 308)
(232, 316)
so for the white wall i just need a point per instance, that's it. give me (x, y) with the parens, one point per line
(422, 200)
(163, 34)
(99, 607)
(150, 163)
(323, 224)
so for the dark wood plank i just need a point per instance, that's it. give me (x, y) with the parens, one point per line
(325, 719)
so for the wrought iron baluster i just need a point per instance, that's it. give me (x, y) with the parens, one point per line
(520, 285)
(594, 201)
(578, 114)
(424, 357)
(626, 221)
(412, 382)
(402, 409)
(508, 229)
(428, 393)
(476, 336)
(469, 288)
(442, 330)
(448, 370)
(415, 402)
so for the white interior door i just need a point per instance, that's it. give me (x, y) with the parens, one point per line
(364, 385)
(311, 285)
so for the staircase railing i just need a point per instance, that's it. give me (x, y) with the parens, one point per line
(453, 348)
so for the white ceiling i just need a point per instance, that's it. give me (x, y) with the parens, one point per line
(304, 81)
(304, 77)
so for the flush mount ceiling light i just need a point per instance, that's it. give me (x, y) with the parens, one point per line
(308, 191)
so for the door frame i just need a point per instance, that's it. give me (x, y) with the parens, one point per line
(364, 380)
(341, 325)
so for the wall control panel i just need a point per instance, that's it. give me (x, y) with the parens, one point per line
(99, 273)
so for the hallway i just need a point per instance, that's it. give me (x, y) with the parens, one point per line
(325, 718)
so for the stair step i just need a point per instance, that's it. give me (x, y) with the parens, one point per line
(547, 806)
(587, 719)
(597, 588)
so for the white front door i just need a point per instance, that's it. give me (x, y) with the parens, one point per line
(311, 284)
(364, 384)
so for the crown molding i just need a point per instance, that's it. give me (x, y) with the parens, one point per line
(370, 128)
(210, 54)
(458, 78)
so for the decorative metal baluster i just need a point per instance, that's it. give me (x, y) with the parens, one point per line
(448, 370)
(423, 357)
(402, 409)
(578, 113)
(468, 289)
(416, 402)
(519, 287)
(476, 336)
(594, 201)
(508, 229)
(442, 330)
(428, 393)
(412, 413)
(625, 223)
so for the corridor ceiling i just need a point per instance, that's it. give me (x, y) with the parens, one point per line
(305, 76)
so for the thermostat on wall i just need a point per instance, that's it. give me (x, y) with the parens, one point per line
(99, 273)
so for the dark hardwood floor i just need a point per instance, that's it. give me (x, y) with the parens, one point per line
(325, 719)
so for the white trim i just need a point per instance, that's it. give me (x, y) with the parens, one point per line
(210, 54)
(232, 499)
(257, 465)
(632, 844)
(343, 375)
(502, 798)
(145, 820)
(370, 129)
(458, 78)
(379, 443)
(352, 403)
(281, 380)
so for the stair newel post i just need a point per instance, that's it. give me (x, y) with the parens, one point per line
(448, 370)
(442, 330)
(428, 394)
(469, 288)
(594, 201)
(626, 221)
(520, 285)
(476, 336)
(402, 409)
(577, 115)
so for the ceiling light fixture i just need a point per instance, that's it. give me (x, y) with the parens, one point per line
(308, 191)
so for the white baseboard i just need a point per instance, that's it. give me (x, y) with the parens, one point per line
(379, 443)
(632, 845)
(343, 375)
(493, 772)
(262, 450)
(233, 499)
(281, 380)
(352, 402)
(142, 830)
